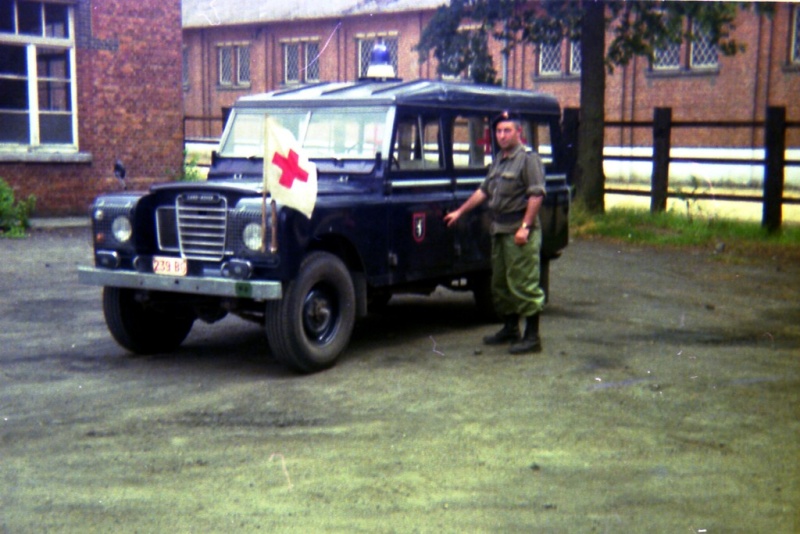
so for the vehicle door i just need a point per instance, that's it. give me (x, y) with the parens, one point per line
(471, 148)
(420, 193)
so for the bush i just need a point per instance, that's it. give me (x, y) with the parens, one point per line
(14, 215)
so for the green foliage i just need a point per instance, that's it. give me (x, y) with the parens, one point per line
(14, 215)
(191, 170)
(672, 228)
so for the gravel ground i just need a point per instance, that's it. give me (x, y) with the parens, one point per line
(667, 399)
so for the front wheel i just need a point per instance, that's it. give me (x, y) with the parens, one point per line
(311, 325)
(141, 327)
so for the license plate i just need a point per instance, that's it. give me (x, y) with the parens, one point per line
(171, 266)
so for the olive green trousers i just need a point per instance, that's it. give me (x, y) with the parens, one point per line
(515, 275)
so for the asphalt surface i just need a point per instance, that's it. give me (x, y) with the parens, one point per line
(667, 399)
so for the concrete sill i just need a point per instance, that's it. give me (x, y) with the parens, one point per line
(45, 157)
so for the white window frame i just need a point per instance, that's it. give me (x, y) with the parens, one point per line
(575, 58)
(695, 53)
(237, 68)
(32, 43)
(546, 51)
(667, 58)
(303, 59)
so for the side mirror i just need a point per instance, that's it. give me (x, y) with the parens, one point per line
(119, 172)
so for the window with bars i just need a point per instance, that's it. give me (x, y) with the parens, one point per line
(575, 57)
(549, 59)
(300, 62)
(667, 57)
(364, 50)
(234, 65)
(795, 35)
(37, 75)
(704, 53)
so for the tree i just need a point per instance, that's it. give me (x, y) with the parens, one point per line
(636, 28)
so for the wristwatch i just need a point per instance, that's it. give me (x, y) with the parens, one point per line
(525, 226)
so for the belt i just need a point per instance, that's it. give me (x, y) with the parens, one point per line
(509, 218)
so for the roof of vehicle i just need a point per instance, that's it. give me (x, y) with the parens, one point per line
(425, 93)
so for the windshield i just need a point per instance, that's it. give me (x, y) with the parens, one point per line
(323, 133)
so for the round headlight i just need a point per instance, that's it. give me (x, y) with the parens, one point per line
(252, 236)
(121, 229)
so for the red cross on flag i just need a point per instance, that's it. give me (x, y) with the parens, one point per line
(288, 176)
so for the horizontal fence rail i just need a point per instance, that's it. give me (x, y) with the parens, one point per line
(774, 162)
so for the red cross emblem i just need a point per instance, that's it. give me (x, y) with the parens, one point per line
(290, 169)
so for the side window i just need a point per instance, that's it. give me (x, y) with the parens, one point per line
(537, 135)
(417, 145)
(472, 142)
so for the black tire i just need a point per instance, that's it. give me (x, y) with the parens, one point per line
(311, 325)
(144, 329)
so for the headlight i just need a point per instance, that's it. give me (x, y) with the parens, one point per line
(252, 236)
(121, 229)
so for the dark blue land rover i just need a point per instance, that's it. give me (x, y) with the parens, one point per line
(392, 158)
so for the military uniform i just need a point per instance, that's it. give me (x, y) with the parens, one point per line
(515, 269)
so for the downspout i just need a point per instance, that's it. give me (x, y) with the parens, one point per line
(754, 110)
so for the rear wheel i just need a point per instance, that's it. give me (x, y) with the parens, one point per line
(141, 327)
(311, 325)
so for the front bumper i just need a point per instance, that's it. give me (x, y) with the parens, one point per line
(220, 287)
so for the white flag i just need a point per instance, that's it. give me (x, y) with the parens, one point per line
(288, 175)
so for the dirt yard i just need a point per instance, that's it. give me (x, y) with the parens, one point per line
(667, 400)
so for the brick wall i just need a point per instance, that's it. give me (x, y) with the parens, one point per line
(129, 105)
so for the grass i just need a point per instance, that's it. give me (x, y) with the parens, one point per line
(726, 237)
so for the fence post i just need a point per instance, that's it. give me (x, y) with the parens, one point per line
(659, 181)
(775, 163)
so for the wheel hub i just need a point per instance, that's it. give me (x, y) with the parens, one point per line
(318, 314)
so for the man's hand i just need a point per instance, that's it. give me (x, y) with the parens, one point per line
(521, 236)
(451, 218)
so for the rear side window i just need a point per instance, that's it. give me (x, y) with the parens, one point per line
(417, 144)
(537, 135)
(472, 142)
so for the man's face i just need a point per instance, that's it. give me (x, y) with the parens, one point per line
(508, 134)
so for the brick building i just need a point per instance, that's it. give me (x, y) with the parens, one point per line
(84, 83)
(240, 47)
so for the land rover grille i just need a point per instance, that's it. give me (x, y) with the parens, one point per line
(195, 226)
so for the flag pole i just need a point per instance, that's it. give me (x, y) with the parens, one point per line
(265, 190)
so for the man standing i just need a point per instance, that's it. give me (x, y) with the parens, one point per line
(515, 189)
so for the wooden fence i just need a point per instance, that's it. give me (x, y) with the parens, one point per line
(775, 163)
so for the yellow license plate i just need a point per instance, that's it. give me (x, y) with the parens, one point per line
(170, 266)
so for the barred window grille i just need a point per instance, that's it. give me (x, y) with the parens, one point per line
(234, 65)
(243, 59)
(796, 36)
(226, 65)
(291, 63)
(312, 62)
(549, 59)
(704, 52)
(667, 57)
(575, 57)
(365, 47)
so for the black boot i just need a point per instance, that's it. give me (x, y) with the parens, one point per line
(509, 332)
(530, 342)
